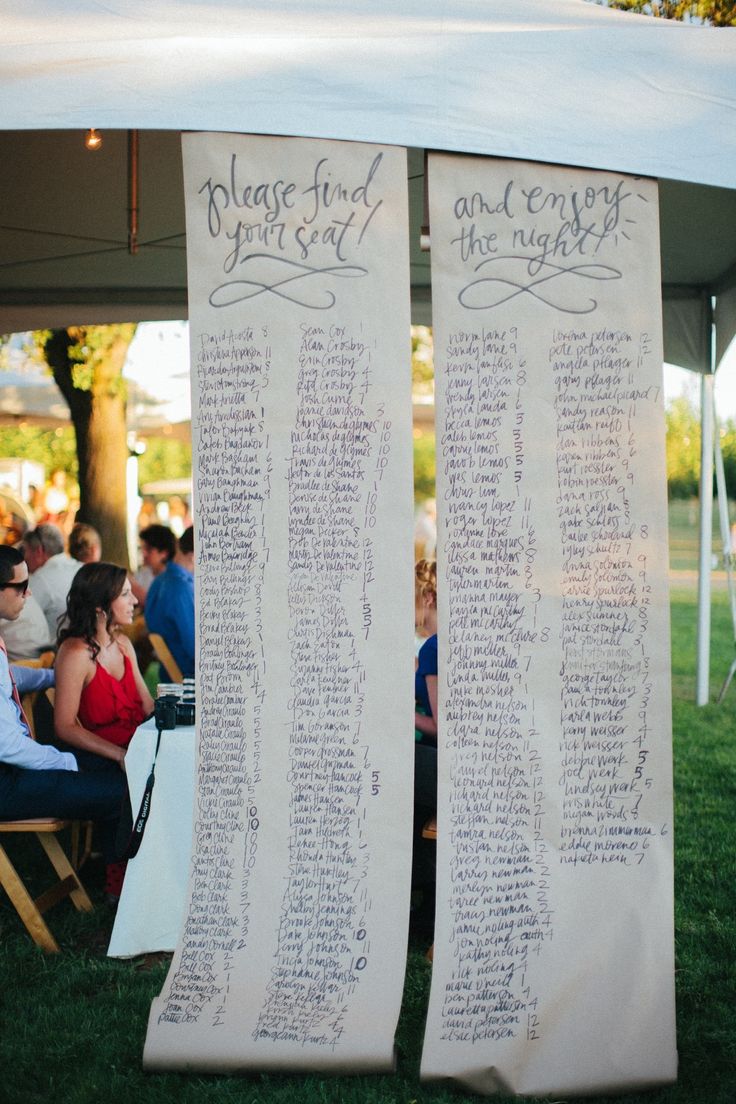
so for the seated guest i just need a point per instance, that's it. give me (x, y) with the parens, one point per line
(37, 780)
(85, 544)
(101, 697)
(425, 679)
(170, 605)
(28, 635)
(52, 571)
(158, 547)
(420, 632)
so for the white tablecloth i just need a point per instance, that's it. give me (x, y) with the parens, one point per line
(151, 909)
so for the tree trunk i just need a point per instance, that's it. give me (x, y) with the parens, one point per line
(98, 416)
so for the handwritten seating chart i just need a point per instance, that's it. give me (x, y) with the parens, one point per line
(293, 949)
(553, 959)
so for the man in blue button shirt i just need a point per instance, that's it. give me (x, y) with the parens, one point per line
(170, 605)
(37, 780)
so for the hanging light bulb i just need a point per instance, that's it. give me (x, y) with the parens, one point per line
(92, 139)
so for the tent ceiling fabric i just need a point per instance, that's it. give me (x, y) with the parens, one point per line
(64, 230)
(64, 256)
(567, 82)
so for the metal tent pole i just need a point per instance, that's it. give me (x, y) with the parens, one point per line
(702, 680)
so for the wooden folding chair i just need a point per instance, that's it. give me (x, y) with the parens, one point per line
(164, 656)
(45, 659)
(29, 909)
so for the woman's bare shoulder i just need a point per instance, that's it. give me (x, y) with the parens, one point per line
(74, 650)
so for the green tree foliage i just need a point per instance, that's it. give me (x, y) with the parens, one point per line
(683, 448)
(728, 451)
(165, 458)
(717, 13)
(422, 361)
(54, 448)
(721, 13)
(424, 466)
(422, 386)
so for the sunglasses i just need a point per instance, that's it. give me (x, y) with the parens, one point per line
(20, 587)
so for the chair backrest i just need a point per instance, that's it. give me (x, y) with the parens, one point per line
(164, 656)
(46, 659)
(28, 701)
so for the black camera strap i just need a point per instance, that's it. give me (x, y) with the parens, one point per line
(130, 832)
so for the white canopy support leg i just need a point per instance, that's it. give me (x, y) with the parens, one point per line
(706, 528)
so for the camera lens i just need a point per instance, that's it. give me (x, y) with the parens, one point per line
(185, 713)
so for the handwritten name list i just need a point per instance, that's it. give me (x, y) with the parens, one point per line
(555, 810)
(291, 954)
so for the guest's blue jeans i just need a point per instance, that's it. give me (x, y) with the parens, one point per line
(95, 792)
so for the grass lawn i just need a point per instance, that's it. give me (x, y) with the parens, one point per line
(684, 536)
(72, 1025)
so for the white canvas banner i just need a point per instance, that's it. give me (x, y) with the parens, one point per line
(293, 949)
(553, 963)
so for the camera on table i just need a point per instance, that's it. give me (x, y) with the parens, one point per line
(164, 712)
(175, 704)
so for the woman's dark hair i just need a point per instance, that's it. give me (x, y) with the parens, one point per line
(94, 587)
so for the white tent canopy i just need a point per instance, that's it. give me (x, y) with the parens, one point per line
(564, 81)
(567, 81)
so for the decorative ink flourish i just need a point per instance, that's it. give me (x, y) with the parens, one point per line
(237, 291)
(529, 286)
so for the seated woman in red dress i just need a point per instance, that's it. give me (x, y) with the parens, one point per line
(101, 697)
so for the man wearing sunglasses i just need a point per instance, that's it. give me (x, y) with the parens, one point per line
(37, 780)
